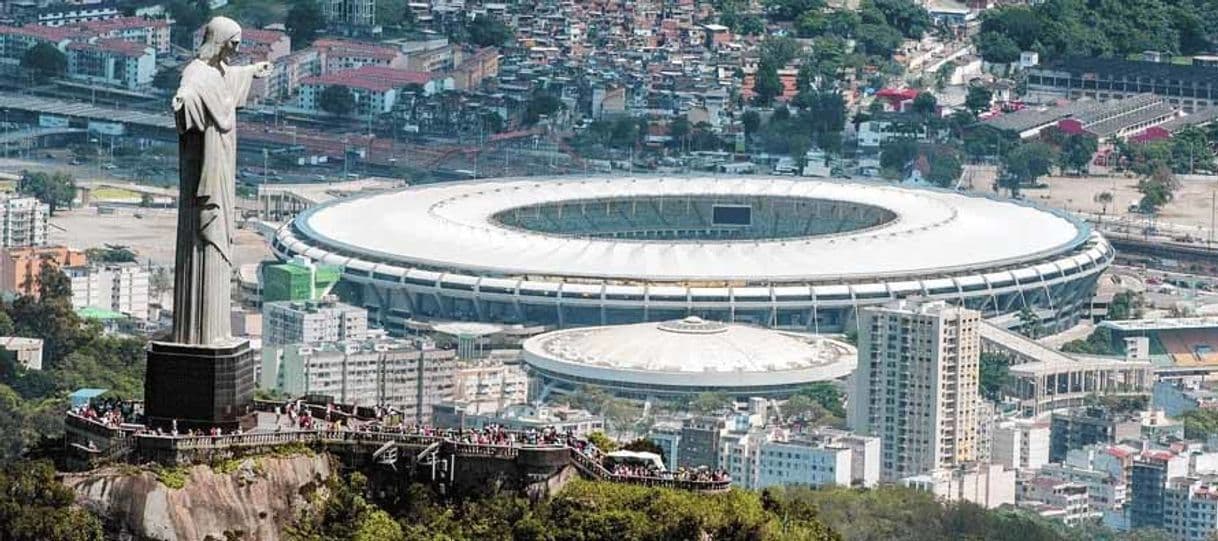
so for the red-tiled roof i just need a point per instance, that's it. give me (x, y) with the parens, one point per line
(49, 33)
(355, 48)
(257, 35)
(122, 23)
(118, 46)
(375, 78)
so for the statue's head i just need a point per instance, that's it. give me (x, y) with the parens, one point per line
(221, 39)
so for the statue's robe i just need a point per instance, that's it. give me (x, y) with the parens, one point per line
(207, 148)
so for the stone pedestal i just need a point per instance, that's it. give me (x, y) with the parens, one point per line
(199, 386)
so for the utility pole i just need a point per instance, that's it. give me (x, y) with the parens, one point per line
(1213, 195)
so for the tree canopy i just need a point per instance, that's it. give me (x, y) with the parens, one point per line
(44, 61)
(303, 22)
(55, 189)
(337, 100)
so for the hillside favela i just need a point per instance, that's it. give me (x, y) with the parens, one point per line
(608, 270)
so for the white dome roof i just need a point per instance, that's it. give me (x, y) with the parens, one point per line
(691, 352)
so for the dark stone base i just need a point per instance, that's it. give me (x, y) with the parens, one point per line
(199, 386)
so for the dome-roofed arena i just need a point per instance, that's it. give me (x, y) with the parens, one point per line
(685, 357)
(772, 251)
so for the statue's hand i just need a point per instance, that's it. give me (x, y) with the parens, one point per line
(178, 102)
(263, 69)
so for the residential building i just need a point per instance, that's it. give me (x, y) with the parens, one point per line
(519, 417)
(142, 30)
(700, 442)
(987, 485)
(341, 55)
(667, 436)
(1020, 444)
(1106, 492)
(375, 89)
(349, 15)
(1080, 427)
(1065, 501)
(916, 385)
(111, 61)
(26, 352)
(16, 40)
(291, 70)
(489, 385)
(120, 287)
(1190, 508)
(411, 376)
(24, 221)
(312, 322)
(884, 127)
(20, 267)
(1177, 397)
(1147, 492)
(70, 13)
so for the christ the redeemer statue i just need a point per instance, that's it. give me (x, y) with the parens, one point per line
(205, 110)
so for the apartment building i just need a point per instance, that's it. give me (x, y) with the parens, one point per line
(409, 375)
(916, 386)
(312, 322)
(20, 267)
(112, 61)
(489, 385)
(1020, 444)
(23, 221)
(121, 287)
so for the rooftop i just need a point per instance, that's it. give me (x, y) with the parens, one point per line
(374, 78)
(1119, 68)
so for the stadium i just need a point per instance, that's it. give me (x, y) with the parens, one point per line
(770, 251)
(684, 357)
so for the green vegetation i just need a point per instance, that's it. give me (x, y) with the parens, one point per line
(484, 31)
(111, 253)
(1200, 423)
(710, 402)
(602, 441)
(337, 100)
(995, 373)
(1099, 342)
(54, 189)
(43, 62)
(174, 478)
(1059, 28)
(34, 506)
(187, 16)
(303, 22)
(1025, 163)
(1157, 189)
(75, 354)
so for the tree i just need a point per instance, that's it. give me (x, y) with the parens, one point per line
(188, 16)
(541, 104)
(906, 16)
(925, 104)
(487, 31)
(394, 13)
(1029, 322)
(1105, 199)
(778, 51)
(945, 167)
(878, 40)
(337, 100)
(710, 402)
(978, 98)
(43, 62)
(303, 21)
(111, 253)
(767, 85)
(1157, 189)
(55, 189)
(679, 130)
(602, 442)
(1077, 151)
(896, 154)
(34, 506)
(827, 395)
(994, 374)
(1026, 163)
(996, 48)
(1125, 305)
(644, 445)
(789, 10)
(751, 120)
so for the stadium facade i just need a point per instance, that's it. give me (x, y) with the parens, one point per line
(683, 358)
(770, 251)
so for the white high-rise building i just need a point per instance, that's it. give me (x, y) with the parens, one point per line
(916, 386)
(23, 221)
(1020, 444)
(120, 287)
(312, 322)
(410, 375)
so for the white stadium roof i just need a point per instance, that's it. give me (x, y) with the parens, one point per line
(450, 226)
(692, 353)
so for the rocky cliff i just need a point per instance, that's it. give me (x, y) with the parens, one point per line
(252, 499)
